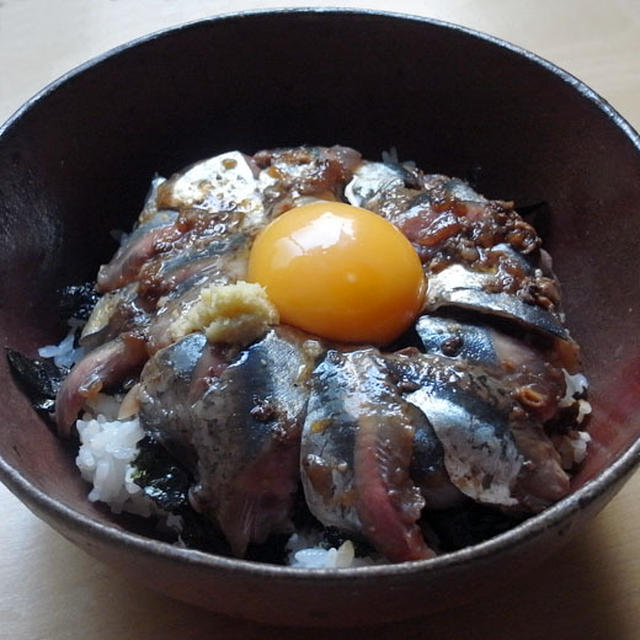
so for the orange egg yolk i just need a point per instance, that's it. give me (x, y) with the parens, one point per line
(340, 272)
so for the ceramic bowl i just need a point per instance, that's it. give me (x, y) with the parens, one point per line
(75, 163)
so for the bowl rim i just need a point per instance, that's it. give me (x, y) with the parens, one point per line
(65, 518)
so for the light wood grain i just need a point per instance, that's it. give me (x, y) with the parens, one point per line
(51, 590)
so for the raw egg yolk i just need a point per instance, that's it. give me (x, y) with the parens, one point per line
(339, 272)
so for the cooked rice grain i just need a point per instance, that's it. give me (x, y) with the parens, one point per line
(107, 450)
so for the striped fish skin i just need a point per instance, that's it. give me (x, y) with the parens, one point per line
(356, 452)
(495, 451)
(246, 430)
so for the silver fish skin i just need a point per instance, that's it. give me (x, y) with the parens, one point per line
(372, 178)
(224, 183)
(459, 287)
(357, 446)
(495, 452)
(246, 430)
(526, 371)
(465, 341)
(470, 418)
(115, 312)
(456, 189)
(427, 469)
(328, 441)
(375, 185)
(168, 387)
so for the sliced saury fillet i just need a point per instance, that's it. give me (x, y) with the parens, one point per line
(115, 312)
(357, 446)
(183, 214)
(457, 286)
(247, 434)
(171, 381)
(135, 250)
(289, 177)
(427, 469)
(477, 254)
(236, 424)
(224, 183)
(98, 370)
(428, 209)
(494, 451)
(481, 456)
(524, 370)
(372, 178)
(176, 268)
(219, 259)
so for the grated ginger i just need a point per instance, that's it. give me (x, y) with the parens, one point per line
(233, 313)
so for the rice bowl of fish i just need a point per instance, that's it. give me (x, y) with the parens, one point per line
(324, 372)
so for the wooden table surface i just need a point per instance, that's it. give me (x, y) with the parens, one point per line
(49, 589)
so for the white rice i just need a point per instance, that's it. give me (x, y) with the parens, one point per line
(572, 447)
(107, 451)
(576, 385)
(63, 354)
(306, 549)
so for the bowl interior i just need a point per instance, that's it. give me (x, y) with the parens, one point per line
(76, 163)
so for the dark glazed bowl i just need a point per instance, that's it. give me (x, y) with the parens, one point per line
(75, 163)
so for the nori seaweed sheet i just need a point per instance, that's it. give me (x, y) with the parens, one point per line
(167, 483)
(39, 378)
(469, 524)
(160, 477)
(77, 301)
